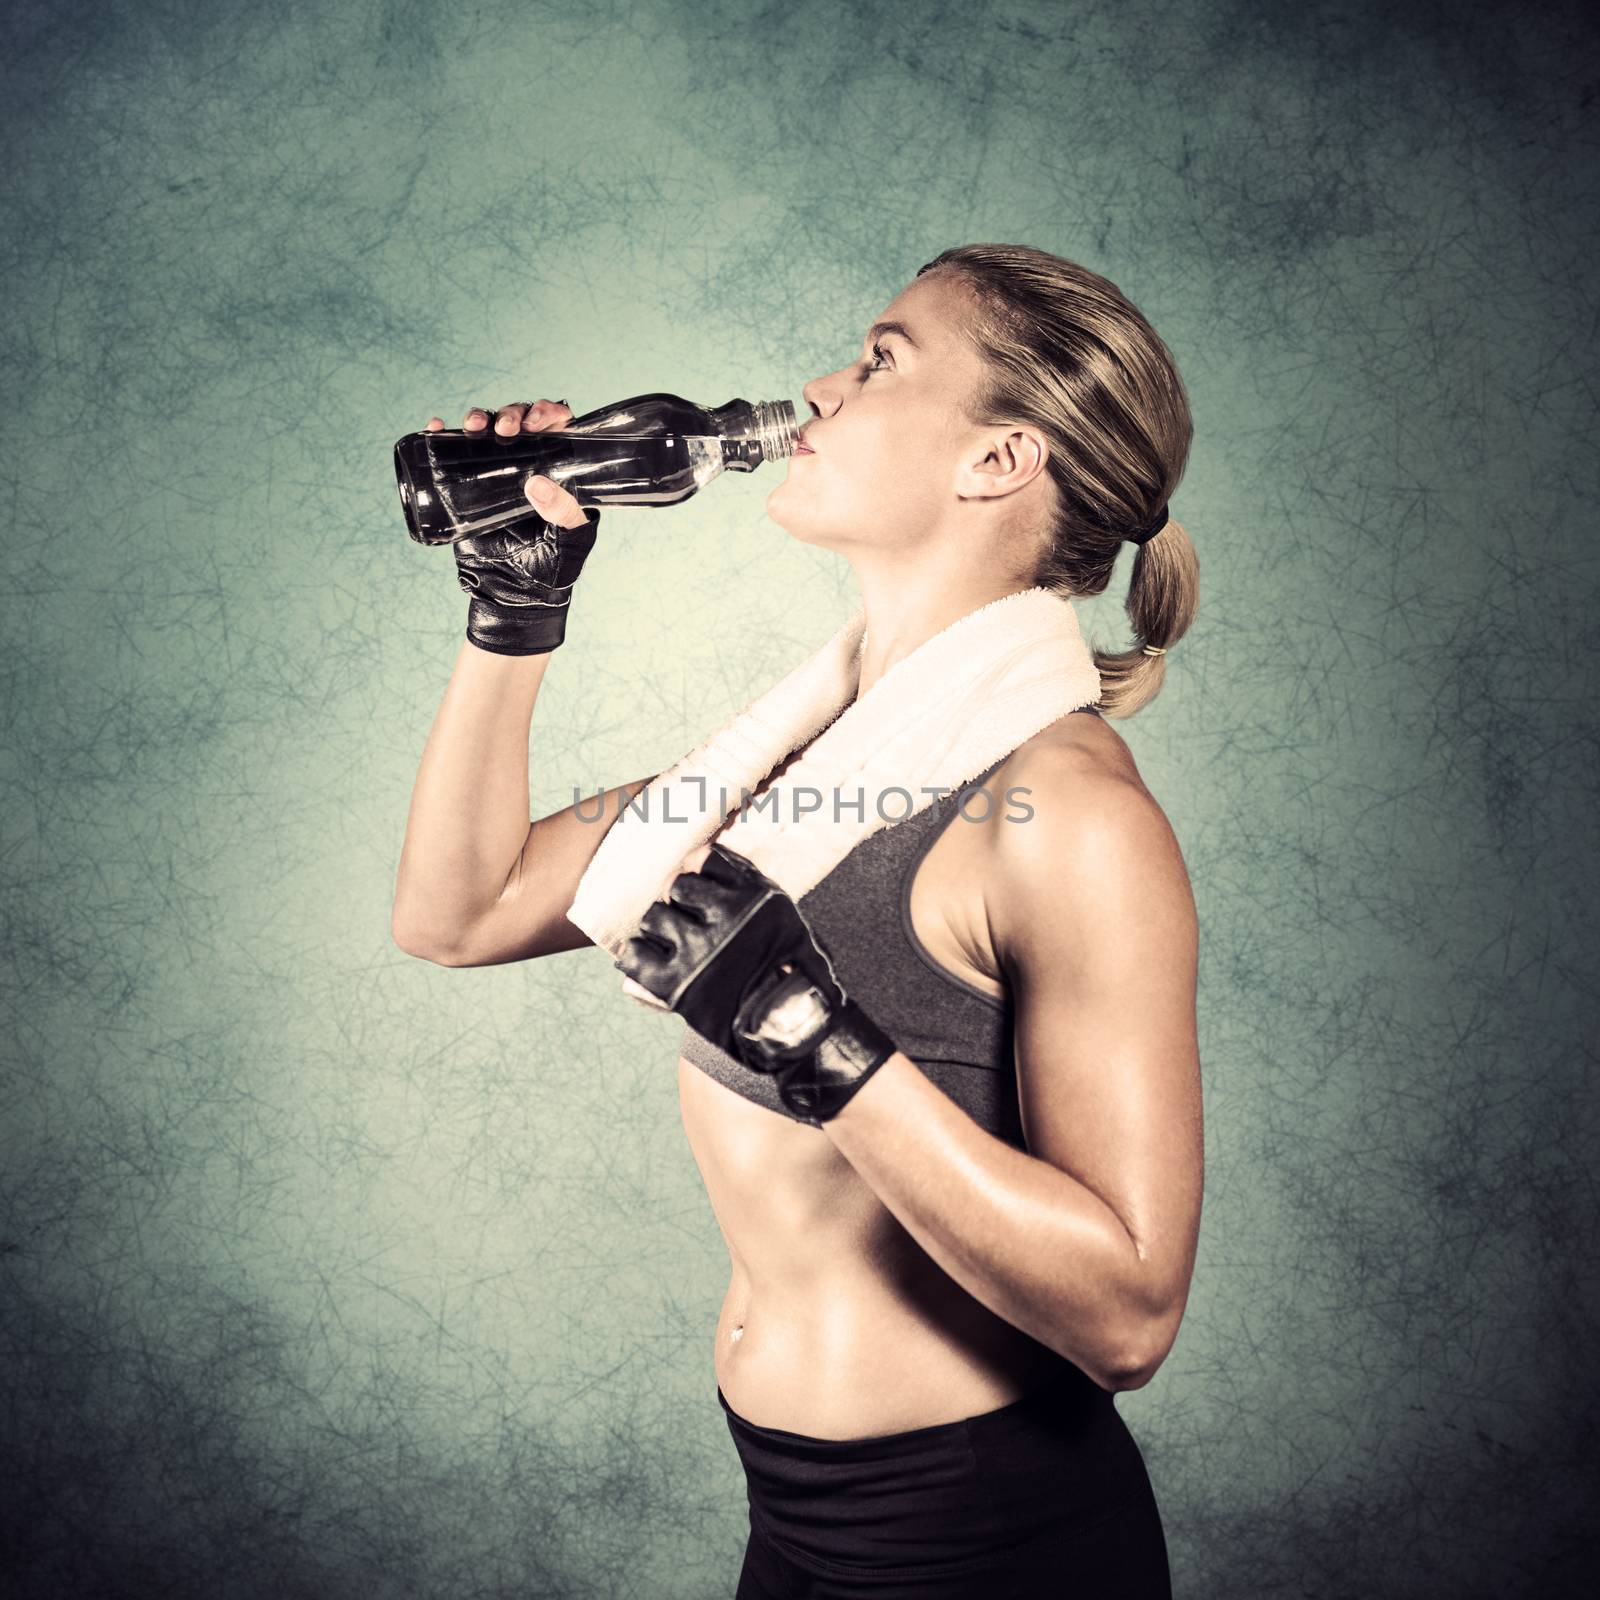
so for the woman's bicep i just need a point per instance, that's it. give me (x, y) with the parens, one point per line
(1100, 951)
(530, 917)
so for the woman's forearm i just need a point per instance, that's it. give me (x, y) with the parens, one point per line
(469, 808)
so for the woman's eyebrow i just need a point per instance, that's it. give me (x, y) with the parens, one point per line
(880, 328)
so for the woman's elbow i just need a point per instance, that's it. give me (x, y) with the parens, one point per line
(1130, 1375)
(1147, 1345)
(413, 943)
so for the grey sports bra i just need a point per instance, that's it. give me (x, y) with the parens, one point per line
(861, 912)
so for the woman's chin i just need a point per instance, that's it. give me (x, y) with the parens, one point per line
(775, 512)
(797, 515)
(794, 513)
(799, 531)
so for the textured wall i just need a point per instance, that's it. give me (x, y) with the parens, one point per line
(324, 1270)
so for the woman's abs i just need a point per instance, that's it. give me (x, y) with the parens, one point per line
(836, 1322)
(849, 1358)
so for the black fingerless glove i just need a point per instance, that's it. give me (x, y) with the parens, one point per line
(520, 578)
(732, 954)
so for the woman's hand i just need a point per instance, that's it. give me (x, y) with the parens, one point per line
(521, 576)
(557, 505)
(634, 991)
(729, 951)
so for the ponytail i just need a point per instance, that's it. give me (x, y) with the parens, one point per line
(1067, 353)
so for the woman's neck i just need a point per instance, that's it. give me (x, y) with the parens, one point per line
(904, 612)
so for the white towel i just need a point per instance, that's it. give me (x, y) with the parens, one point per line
(949, 710)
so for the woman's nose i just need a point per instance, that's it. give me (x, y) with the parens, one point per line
(821, 396)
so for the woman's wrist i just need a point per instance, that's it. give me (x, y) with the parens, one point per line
(531, 630)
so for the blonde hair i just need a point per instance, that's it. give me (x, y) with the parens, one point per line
(1068, 354)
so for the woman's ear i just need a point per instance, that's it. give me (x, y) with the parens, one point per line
(1004, 461)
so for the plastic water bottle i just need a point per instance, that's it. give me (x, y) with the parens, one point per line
(652, 450)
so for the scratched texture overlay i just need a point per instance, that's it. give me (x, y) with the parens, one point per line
(325, 1270)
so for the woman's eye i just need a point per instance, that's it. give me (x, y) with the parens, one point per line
(878, 355)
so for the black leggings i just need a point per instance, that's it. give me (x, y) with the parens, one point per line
(1043, 1499)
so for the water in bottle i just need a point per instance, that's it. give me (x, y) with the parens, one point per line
(652, 450)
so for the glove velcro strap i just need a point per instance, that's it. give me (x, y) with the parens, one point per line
(516, 631)
(820, 1085)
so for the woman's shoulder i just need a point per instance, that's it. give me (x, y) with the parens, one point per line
(1078, 757)
(1071, 794)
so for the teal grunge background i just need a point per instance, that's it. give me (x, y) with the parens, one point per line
(325, 1271)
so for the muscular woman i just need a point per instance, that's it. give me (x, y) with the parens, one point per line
(943, 1268)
